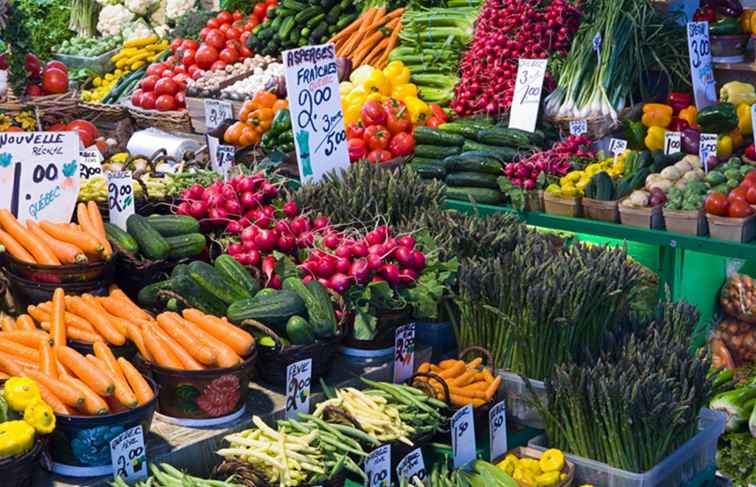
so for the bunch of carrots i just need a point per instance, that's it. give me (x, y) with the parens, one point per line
(56, 243)
(371, 37)
(468, 383)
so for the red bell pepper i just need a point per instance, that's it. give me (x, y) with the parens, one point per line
(679, 100)
(750, 152)
(678, 125)
(708, 14)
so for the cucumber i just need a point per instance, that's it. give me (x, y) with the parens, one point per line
(475, 179)
(151, 244)
(148, 295)
(333, 15)
(233, 271)
(180, 270)
(428, 161)
(293, 4)
(435, 152)
(299, 331)
(473, 161)
(197, 296)
(318, 303)
(427, 135)
(188, 245)
(214, 283)
(315, 21)
(502, 137)
(307, 13)
(121, 239)
(456, 128)
(505, 154)
(273, 310)
(319, 31)
(172, 225)
(326, 4)
(483, 196)
(286, 27)
(429, 171)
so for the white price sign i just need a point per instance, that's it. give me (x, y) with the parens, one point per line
(129, 455)
(412, 465)
(378, 467)
(404, 352)
(312, 84)
(217, 112)
(617, 146)
(298, 377)
(222, 156)
(753, 118)
(527, 94)
(707, 149)
(672, 142)
(39, 174)
(91, 163)
(701, 70)
(497, 430)
(120, 197)
(463, 436)
(578, 127)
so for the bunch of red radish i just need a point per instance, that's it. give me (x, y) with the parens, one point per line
(557, 162)
(508, 30)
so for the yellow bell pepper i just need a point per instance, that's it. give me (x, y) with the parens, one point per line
(16, 437)
(745, 20)
(724, 146)
(379, 97)
(357, 96)
(656, 115)
(655, 138)
(689, 115)
(352, 114)
(737, 138)
(547, 479)
(418, 109)
(509, 463)
(555, 188)
(360, 75)
(737, 92)
(400, 92)
(19, 392)
(378, 83)
(345, 87)
(551, 460)
(744, 119)
(397, 73)
(40, 415)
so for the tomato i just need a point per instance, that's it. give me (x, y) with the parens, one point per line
(253, 22)
(225, 17)
(54, 80)
(245, 52)
(260, 10)
(215, 38)
(378, 156)
(155, 69)
(739, 209)
(179, 69)
(751, 195)
(377, 137)
(136, 97)
(57, 127)
(372, 113)
(229, 55)
(197, 74)
(166, 103)
(83, 125)
(355, 130)
(433, 122)
(169, 61)
(213, 24)
(192, 69)
(271, 3)
(148, 100)
(206, 56)
(190, 44)
(203, 33)
(716, 204)
(34, 90)
(224, 27)
(166, 86)
(181, 80)
(398, 122)
(57, 65)
(217, 65)
(751, 177)
(244, 37)
(167, 73)
(737, 194)
(402, 144)
(233, 33)
(238, 15)
(233, 43)
(181, 99)
(148, 82)
(84, 137)
(438, 112)
(175, 44)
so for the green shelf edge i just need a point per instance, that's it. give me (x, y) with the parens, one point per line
(662, 238)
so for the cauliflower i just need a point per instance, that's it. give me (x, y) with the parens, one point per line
(109, 2)
(112, 19)
(141, 7)
(158, 16)
(137, 30)
(176, 8)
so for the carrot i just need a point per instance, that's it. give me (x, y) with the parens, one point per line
(4, 376)
(391, 18)
(9, 365)
(54, 401)
(239, 340)
(454, 371)
(65, 252)
(393, 38)
(18, 350)
(464, 379)
(57, 321)
(77, 334)
(25, 323)
(460, 401)
(89, 312)
(92, 376)
(346, 31)
(93, 404)
(160, 353)
(226, 357)
(104, 353)
(21, 362)
(28, 338)
(175, 326)
(487, 376)
(187, 361)
(120, 309)
(47, 360)
(83, 240)
(467, 392)
(7, 323)
(373, 40)
(141, 388)
(365, 20)
(134, 333)
(125, 302)
(122, 391)
(474, 363)
(424, 367)
(15, 249)
(72, 320)
(115, 405)
(86, 225)
(119, 324)
(96, 218)
(70, 396)
(491, 391)
(448, 363)
(42, 254)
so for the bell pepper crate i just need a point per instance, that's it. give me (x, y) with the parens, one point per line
(688, 222)
(732, 229)
(690, 459)
(555, 204)
(567, 470)
(651, 217)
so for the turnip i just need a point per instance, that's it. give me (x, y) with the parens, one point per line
(339, 282)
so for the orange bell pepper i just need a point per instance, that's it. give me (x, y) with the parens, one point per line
(656, 115)
(262, 118)
(280, 104)
(263, 99)
(689, 115)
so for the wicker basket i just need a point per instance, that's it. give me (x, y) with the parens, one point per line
(554, 204)
(733, 229)
(62, 104)
(168, 121)
(688, 222)
(10, 104)
(605, 211)
(598, 126)
(95, 112)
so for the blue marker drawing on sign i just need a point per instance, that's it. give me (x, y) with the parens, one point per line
(303, 141)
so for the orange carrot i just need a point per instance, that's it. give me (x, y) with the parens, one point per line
(368, 46)
(141, 388)
(28, 338)
(72, 320)
(393, 38)
(66, 393)
(18, 350)
(25, 323)
(491, 391)
(54, 401)
(15, 249)
(122, 391)
(160, 353)
(126, 303)
(57, 317)
(239, 340)
(104, 353)
(176, 327)
(187, 361)
(20, 362)
(464, 379)
(65, 252)
(89, 312)
(448, 363)
(7, 323)
(93, 404)
(119, 324)
(226, 357)
(86, 225)
(9, 365)
(366, 20)
(47, 359)
(76, 334)
(474, 363)
(42, 254)
(92, 376)
(96, 218)
(389, 18)
(346, 31)
(134, 333)
(83, 240)
(456, 370)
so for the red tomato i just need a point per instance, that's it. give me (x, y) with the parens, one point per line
(192, 69)
(136, 97)
(166, 103)
(377, 137)
(167, 73)
(85, 126)
(84, 137)
(213, 23)
(148, 82)
(254, 21)
(57, 65)
(224, 27)
(737, 194)
(181, 99)
(54, 81)
(179, 69)
(244, 37)
(355, 130)
(57, 127)
(238, 15)
(751, 195)
(379, 156)
(170, 61)
(180, 80)
(190, 44)
(34, 90)
(229, 55)
(187, 57)
(148, 100)
(166, 86)
(175, 44)
(271, 3)
(739, 209)
(751, 177)
(233, 43)
(399, 122)
(372, 113)
(206, 56)
(716, 204)
(402, 144)
(215, 38)
(233, 33)
(245, 52)
(217, 65)
(203, 32)
(155, 69)
(225, 17)
(260, 10)
(197, 74)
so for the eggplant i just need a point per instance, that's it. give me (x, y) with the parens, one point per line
(691, 141)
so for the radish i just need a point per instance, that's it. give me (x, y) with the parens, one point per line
(283, 228)
(374, 238)
(195, 191)
(359, 271)
(321, 222)
(374, 262)
(248, 234)
(419, 258)
(248, 199)
(326, 267)
(377, 279)
(245, 185)
(234, 227)
(405, 256)
(377, 249)
(305, 240)
(344, 251)
(343, 265)
(275, 282)
(286, 243)
(269, 190)
(269, 211)
(360, 249)
(266, 240)
(391, 273)
(331, 240)
(268, 266)
(290, 209)
(339, 282)
(407, 276)
(233, 207)
(300, 225)
(184, 208)
(234, 249)
(307, 278)
(324, 282)
(249, 246)
(228, 192)
(407, 241)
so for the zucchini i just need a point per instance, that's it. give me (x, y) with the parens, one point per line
(197, 296)
(148, 295)
(188, 245)
(299, 331)
(121, 239)
(473, 161)
(151, 244)
(483, 196)
(233, 271)
(475, 179)
(502, 137)
(214, 283)
(427, 135)
(318, 304)
(273, 310)
(428, 171)
(504, 154)
(172, 225)
(435, 152)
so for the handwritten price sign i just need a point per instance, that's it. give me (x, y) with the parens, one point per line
(578, 127)
(222, 156)
(707, 149)
(90, 163)
(527, 94)
(672, 142)
(120, 197)
(378, 467)
(298, 377)
(463, 436)
(497, 430)
(312, 84)
(701, 70)
(412, 465)
(617, 146)
(128, 455)
(404, 352)
(217, 112)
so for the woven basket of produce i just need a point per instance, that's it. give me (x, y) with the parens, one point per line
(173, 121)
(63, 104)
(95, 112)
(596, 126)
(10, 104)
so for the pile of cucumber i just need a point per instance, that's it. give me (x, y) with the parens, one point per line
(296, 23)
(158, 237)
(469, 155)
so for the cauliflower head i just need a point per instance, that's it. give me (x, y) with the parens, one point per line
(112, 19)
(141, 7)
(176, 8)
(158, 17)
(139, 29)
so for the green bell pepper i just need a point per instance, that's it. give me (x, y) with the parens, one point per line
(635, 133)
(281, 121)
(268, 140)
(717, 119)
(728, 26)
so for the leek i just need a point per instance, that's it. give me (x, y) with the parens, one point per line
(737, 405)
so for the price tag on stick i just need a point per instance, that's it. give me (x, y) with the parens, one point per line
(412, 465)
(527, 94)
(120, 197)
(129, 455)
(701, 70)
(378, 467)
(217, 112)
(90, 163)
(707, 149)
(463, 436)
(672, 142)
(617, 146)
(298, 377)
(578, 127)
(404, 353)
(497, 430)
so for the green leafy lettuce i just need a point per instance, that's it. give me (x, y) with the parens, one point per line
(736, 458)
